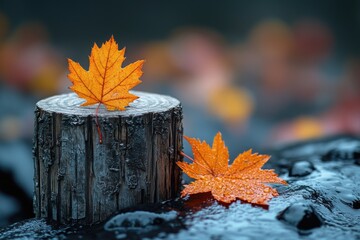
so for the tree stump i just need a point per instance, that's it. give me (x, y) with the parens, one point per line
(78, 179)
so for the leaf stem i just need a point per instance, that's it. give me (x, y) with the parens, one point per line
(182, 153)
(97, 123)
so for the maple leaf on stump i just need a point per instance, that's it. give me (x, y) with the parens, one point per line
(106, 82)
(244, 179)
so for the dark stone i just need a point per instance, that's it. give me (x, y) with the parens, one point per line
(10, 187)
(343, 153)
(330, 156)
(357, 156)
(301, 169)
(356, 204)
(300, 215)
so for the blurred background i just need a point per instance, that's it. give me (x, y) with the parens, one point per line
(263, 73)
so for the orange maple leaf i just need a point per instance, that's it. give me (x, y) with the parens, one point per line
(244, 179)
(106, 82)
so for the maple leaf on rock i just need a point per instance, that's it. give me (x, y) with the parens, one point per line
(106, 82)
(244, 179)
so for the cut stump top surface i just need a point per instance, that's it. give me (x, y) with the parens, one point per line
(70, 104)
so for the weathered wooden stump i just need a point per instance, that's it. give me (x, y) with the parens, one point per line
(77, 179)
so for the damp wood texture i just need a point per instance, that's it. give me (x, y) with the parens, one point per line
(79, 179)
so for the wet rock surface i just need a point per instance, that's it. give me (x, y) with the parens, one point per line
(301, 215)
(301, 169)
(322, 201)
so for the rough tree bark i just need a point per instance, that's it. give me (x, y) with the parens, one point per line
(77, 179)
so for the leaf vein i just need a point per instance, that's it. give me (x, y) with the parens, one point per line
(122, 81)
